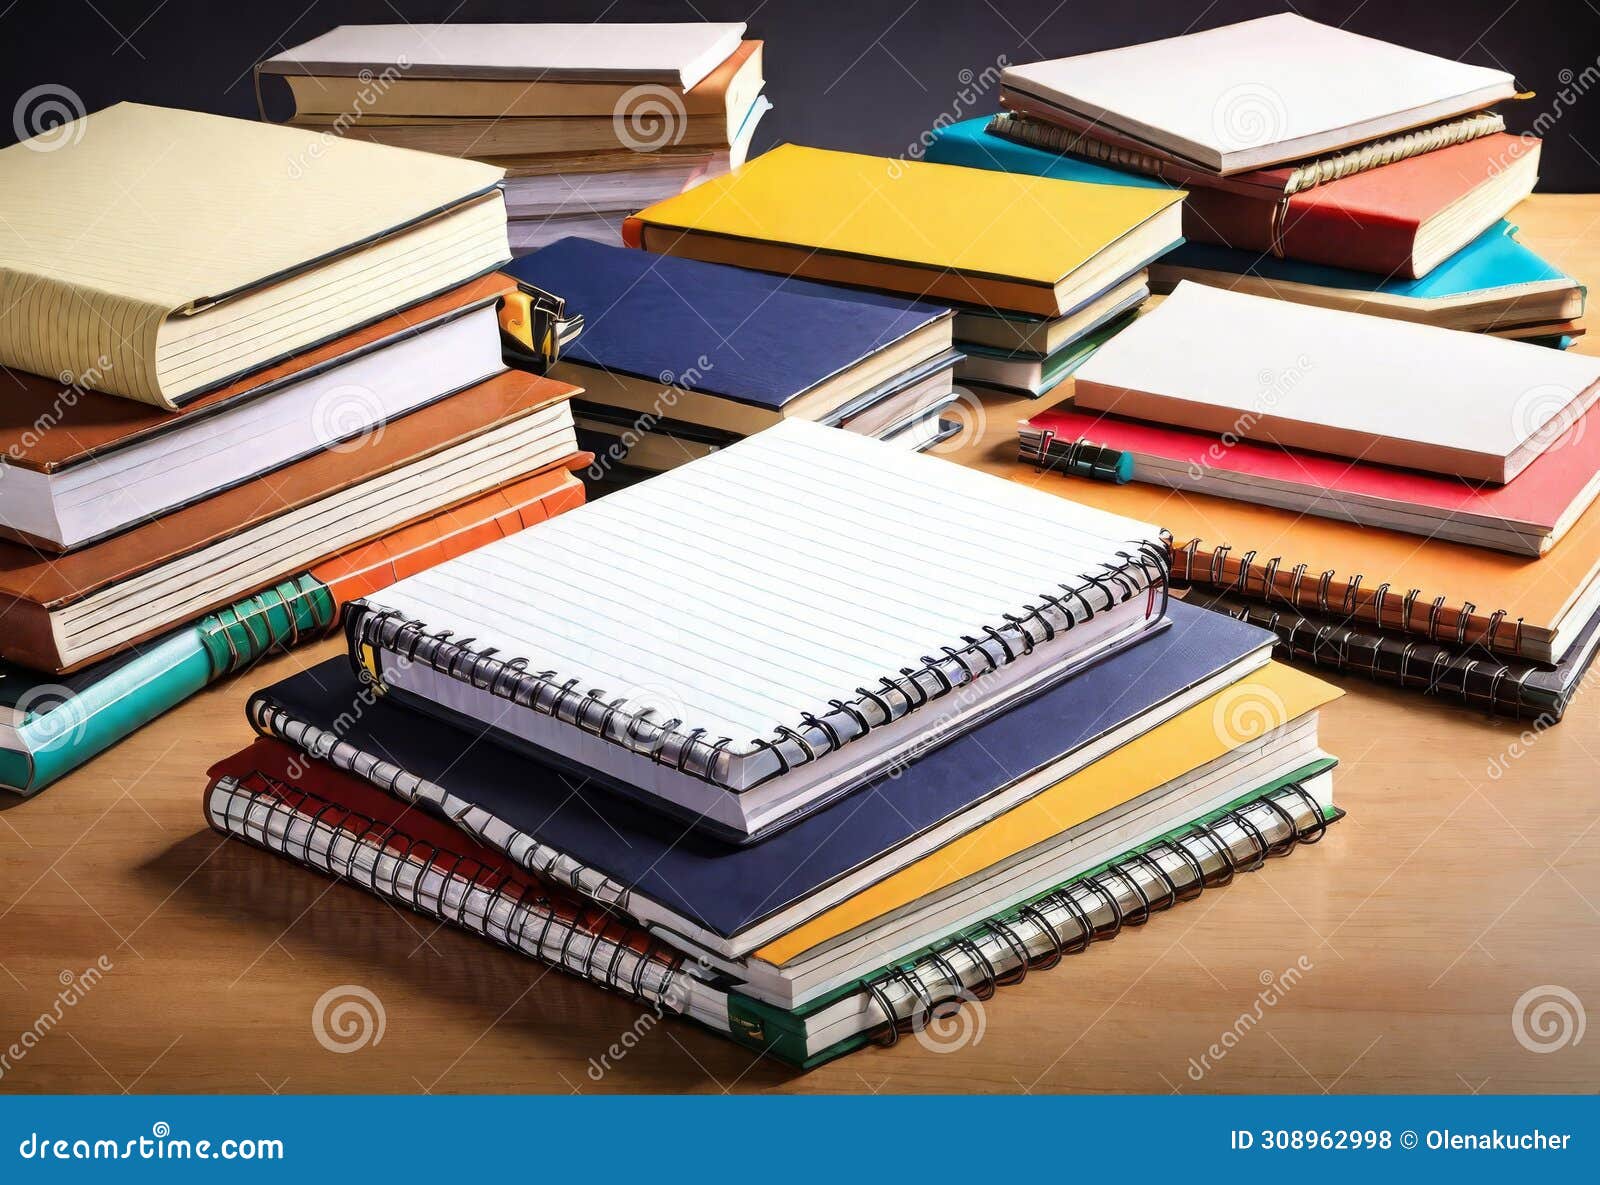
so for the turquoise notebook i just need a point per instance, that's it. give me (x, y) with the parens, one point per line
(967, 143)
(51, 724)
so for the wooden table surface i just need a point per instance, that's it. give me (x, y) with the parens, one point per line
(1465, 879)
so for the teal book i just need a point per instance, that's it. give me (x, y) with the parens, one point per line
(967, 143)
(51, 724)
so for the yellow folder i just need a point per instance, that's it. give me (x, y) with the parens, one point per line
(1263, 700)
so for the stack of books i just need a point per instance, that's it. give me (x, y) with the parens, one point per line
(1321, 167)
(679, 358)
(590, 122)
(1039, 271)
(806, 741)
(236, 398)
(1315, 480)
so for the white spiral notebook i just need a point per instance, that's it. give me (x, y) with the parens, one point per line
(742, 638)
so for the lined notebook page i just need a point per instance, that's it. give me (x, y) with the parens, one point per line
(740, 591)
(144, 211)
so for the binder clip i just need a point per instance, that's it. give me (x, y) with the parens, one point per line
(534, 325)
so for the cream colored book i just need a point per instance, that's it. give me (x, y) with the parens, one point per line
(157, 253)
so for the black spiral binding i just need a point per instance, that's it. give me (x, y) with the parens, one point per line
(1307, 592)
(1498, 687)
(402, 866)
(1127, 893)
(1145, 568)
(528, 851)
(1077, 458)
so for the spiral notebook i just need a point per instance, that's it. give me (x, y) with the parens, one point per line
(270, 798)
(757, 631)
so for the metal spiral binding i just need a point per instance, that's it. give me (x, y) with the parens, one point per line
(1079, 458)
(1146, 568)
(293, 597)
(266, 813)
(1094, 908)
(1303, 591)
(528, 851)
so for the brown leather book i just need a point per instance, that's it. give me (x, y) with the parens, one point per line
(60, 612)
(58, 440)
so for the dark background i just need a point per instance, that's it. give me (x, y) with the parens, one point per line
(859, 74)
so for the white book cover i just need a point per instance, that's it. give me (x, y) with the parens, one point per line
(1261, 92)
(675, 54)
(1370, 388)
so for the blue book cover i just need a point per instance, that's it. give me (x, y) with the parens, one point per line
(968, 143)
(724, 889)
(746, 336)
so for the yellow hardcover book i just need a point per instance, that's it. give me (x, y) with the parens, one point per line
(972, 237)
(154, 253)
(1264, 700)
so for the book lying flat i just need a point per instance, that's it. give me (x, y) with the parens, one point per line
(1450, 593)
(1041, 336)
(732, 86)
(82, 466)
(1472, 675)
(673, 54)
(230, 245)
(271, 798)
(754, 632)
(730, 901)
(63, 612)
(1492, 285)
(1526, 517)
(1032, 376)
(724, 347)
(1368, 388)
(51, 724)
(917, 228)
(1261, 92)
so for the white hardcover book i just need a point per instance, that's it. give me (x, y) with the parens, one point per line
(1352, 385)
(742, 638)
(1261, 92)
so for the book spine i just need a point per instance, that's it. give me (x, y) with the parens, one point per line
(372, 633)
(380, 859)
(527, 851)
(1095, 907)
(1078, 458)
(1504, 688)
(1378, 153)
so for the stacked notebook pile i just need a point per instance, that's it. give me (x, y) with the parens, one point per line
(1321, 167)
(679, 358)
(211, 439)
(1038, 271)
(805, 740)
(1412, 502)
(590, 122)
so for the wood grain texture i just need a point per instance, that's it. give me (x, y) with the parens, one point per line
(1464, 877)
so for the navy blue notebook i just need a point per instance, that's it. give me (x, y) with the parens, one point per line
(747, 336)
(727, 889)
